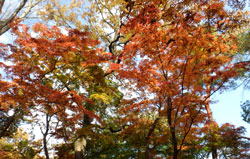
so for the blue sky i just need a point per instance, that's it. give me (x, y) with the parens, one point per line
(227, 108)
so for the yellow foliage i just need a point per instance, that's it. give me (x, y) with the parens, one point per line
(101, 97)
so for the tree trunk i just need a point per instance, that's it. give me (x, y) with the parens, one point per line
(172, 128)
(147, 153)
(80, 145)
(45, 147)
(45, 134)
(150, 132)
(174, 143)
(4, 25)
(1, 5)
(214, 153)
(211, 121)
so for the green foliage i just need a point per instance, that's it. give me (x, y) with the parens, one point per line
(244, 42)
(19, 146)
(228, 141)
(64, 151)
(9, 124)
(246, 111)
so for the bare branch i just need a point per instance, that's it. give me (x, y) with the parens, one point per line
(4, 25)
(1, 5)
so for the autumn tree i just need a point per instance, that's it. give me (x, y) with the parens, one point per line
(94, 89)
(158, 45)
(179, 55)
(11, 11)
(58, 74)
(103, 20)
(167, 57)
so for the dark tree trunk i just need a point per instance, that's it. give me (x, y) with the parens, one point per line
(172, 128)
(45, 134)
(214, 153)
(1, 5)
(45, 147)
(79, 155)
(147, 153)
(174, 143)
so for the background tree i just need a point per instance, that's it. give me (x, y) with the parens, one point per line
(19, 146)
(244, 58)
(246, 111)
(228, 140)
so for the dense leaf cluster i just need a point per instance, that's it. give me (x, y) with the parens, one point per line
(123, 79)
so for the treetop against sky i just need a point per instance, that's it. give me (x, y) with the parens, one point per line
(122, 79)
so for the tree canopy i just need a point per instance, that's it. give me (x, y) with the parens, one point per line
(123, 79)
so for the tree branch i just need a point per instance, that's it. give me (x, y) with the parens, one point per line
(4, 26)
